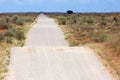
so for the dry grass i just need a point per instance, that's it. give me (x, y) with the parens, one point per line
(13, 29)
(101, 31)
(110, 61)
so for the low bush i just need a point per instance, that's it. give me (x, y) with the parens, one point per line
(14, 18)
(62, 20)
(90, 20)
(17, 20)
(98, 38)
(8, 39)
(115, 18)
(4, 25)
(86, 28)
(103, 23)
(73, 43)
(3, 20)
(20, 21)
(1, 36)
(28, 19)
(19, 35)
(70, 21)
(10, 33)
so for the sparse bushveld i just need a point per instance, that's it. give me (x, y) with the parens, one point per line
(13, 28)
(94, 28)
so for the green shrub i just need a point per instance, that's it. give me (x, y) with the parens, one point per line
(3, 20)
(103, 23)
(73, 43)
(14, 18)
(13, 34)
(99, 38)
(9, 33)
(115, 18)
(19, 21)
(8, 39)
(18, 43)
(28, 19)
(1, 36)
(62, 20)
(7, 19)
(19, 35)
(103, 16)
(89, 20)
(71, 21)
(5, 25)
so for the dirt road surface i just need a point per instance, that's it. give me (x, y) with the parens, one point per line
(47, 56)
(45, 33)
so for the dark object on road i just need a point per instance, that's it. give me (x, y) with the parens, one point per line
(69, 12)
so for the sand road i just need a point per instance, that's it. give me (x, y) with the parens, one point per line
(47, 56)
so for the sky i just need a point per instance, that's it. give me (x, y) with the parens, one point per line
(59, 5)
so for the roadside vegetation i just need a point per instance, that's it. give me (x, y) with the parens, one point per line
(100, 31)
(13, 28)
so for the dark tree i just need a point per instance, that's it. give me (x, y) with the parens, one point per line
(69, 12)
